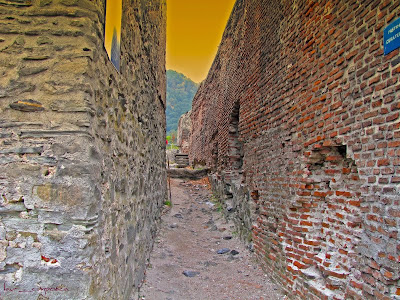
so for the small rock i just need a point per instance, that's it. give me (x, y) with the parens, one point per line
(173, 225)
(31, 71)
(214, 228)
(190, 273)
(37, 57)
(44, 2)
(44, 40)
(234, 252)
(27, 105)
(19, 41)
(179, 216)
(223, 250)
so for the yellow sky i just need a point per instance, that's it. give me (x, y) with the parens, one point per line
(113, 19)
(194, 31)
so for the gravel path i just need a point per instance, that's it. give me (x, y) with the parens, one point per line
(185, 264)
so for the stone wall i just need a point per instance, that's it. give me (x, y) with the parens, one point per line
(299, 119)
(184, 129)
(82, 148)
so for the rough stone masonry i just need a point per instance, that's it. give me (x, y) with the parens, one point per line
(82, 148)
(299, 120)
(184, 129)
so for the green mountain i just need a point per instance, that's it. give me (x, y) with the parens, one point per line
(180, 93)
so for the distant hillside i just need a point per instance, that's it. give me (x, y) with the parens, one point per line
(180, 93)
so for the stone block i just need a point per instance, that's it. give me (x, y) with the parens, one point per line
(81, 191)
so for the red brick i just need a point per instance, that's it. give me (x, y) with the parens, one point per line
(299, 265)
(343, 193)
(394, 144)
(302, 94)
(383, 162)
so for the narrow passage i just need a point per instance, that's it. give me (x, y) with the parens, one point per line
(185, 263)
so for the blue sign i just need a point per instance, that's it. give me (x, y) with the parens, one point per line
(391, 37)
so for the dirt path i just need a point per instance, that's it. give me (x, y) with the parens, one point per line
(192, 232)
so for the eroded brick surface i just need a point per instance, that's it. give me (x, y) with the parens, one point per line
(309, 169)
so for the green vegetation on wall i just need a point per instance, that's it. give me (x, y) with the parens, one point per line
(180, 93)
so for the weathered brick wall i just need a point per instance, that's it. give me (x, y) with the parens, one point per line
(299, 118)
(184, 130)
(82, 148)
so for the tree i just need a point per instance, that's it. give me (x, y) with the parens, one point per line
(173, 134)
(180, 93)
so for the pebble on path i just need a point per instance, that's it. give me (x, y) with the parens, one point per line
(223, 250)
(190, 273)
(234, 252)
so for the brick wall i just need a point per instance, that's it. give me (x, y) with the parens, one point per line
(299, 119)
(82, 148)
